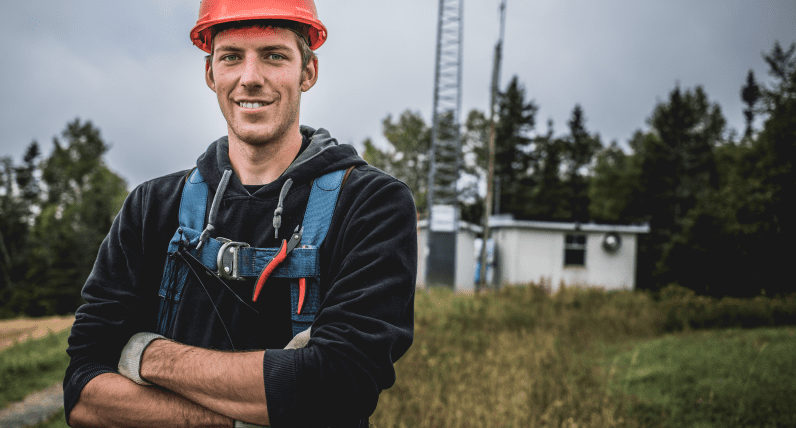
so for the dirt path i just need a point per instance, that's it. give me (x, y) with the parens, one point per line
(21, 329)
(34, 409)
(41, 405)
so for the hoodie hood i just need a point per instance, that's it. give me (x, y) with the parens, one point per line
(323, 155)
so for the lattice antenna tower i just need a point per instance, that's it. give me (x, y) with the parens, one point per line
(445, 153)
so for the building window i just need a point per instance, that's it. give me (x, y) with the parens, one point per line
(575, 250)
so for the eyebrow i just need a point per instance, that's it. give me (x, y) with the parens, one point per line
(277, 47)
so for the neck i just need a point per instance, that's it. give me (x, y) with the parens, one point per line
(262, 164)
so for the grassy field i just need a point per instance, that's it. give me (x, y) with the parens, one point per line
(710, 378)
(583, 358)
(32, 365)
(523, 357)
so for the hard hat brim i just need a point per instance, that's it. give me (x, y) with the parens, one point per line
(201, 32)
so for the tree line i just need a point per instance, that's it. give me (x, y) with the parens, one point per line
(716, 201)
(54, 213)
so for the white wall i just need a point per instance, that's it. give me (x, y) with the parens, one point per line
(525, 255)
(530, 255)
(422, 234)
(610, 270)
(465, 266)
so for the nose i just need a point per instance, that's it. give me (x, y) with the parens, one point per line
(251, 77)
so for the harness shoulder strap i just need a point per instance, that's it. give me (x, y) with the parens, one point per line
(302, 263)
(193, 204)
(191, 218)
(320, 207)
(317, 218)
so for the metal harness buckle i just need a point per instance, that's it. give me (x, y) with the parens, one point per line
(227, 259)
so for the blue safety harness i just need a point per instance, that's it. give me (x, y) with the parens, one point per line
(237, 260)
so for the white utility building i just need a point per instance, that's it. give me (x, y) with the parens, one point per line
(586, 255)
(599, 255)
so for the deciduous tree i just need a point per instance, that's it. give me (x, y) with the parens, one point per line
(78, 200)
(407, 157)
(19, 202)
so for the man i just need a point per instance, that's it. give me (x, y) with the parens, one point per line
(149, 278)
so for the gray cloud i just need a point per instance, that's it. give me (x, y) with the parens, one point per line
(131, 69)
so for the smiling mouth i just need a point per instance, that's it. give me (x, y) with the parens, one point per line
(252, 105)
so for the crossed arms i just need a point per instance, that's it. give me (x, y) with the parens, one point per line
(198, 387)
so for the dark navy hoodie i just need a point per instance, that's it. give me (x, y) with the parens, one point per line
(368, 271)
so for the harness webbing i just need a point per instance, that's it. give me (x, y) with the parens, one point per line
(303, 262)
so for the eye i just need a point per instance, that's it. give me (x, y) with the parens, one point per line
(275, 57)
(230, 57)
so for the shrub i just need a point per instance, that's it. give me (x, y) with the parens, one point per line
(684, 310)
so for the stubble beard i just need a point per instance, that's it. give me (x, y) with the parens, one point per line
(258, 138)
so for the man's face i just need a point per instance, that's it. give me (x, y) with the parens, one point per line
(257, 77)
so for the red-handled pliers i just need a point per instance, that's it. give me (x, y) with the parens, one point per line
(281, 254)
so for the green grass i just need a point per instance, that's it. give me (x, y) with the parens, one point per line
(32, 365)
(513, 358)
(711, 378)
(524, 357)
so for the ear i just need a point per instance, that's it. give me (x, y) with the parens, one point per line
(211, 81)
(310, 75)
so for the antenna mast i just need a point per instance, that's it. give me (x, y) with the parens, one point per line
(445, 134)
(445, 152)
(493, 110)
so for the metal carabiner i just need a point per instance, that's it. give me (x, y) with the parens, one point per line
(228, 260)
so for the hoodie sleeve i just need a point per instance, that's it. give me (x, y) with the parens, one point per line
(366, 319)
(120, 295)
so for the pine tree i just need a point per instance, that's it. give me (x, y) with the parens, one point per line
(770, 206)
(579, 148)
(677, 167)
(750, 94)
(613, 185)
(516, 118)
(544, 190)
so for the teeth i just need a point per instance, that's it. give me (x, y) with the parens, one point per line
(250, 105)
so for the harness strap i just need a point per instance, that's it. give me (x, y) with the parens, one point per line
(191, 217)
(302, 262)
(317, 218)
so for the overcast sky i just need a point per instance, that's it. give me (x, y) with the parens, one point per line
(130, 68)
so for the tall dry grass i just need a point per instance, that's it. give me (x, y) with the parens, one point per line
(520, 356)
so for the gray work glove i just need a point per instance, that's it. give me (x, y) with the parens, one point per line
(130, 360)
(300, 340)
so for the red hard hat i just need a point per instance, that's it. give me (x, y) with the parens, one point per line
(212, 12)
